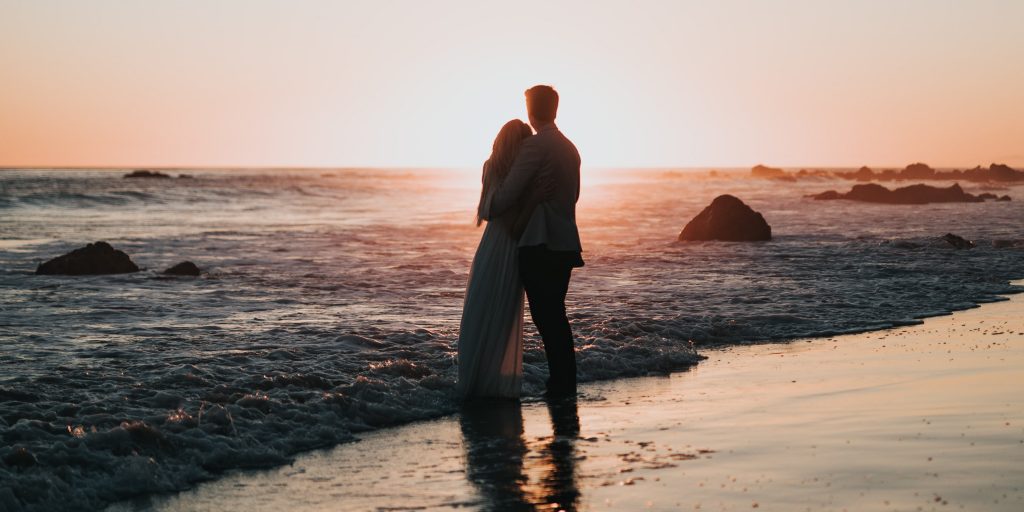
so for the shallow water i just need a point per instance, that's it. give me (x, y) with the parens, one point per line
(331, 301)
(926, 417)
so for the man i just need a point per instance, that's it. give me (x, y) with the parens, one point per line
(549, 247)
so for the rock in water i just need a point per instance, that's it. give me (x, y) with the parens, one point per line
(763, 171)
(185, 268)
(142, 173)
(97, 258)
(727, 218)
(957, 241)
(913, 194)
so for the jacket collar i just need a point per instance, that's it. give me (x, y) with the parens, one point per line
(548, 128)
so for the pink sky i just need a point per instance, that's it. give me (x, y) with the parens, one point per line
(425, 84)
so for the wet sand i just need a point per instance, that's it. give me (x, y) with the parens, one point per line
(927, 417)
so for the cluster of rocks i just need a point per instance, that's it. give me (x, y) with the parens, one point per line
(913, 172)
(101, 258)
(920, 171)
(913, 194)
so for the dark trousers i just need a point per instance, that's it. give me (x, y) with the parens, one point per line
(545, 276)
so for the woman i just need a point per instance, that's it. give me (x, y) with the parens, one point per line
(491, 333)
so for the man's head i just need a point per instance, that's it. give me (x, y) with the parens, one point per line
(541, 105)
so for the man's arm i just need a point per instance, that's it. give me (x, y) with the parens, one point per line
(522, 174)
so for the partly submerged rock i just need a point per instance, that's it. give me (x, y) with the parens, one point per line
(914, 194)
(95, 258)
(185, 268)
(958, 242)
(727, 218)
(763, 171)
(1003, 198)
(141, 173)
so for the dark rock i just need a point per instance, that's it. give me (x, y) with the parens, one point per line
(727, 218)
(987, 195)
(185, 268)
(96, 258)
(864, 174)
(185, 176)
(914, 194)
(957, 241)
(146, 174)
(1003, 244)
(20, 457)
(917, 171)
(827, 195)
(1000, 172)
(1004, 198)
(762, 171)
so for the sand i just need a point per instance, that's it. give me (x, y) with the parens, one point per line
(927, 417)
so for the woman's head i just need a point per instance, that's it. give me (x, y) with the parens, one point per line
(507, 143)
(503, 153)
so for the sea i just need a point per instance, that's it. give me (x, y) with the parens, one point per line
(330, 300)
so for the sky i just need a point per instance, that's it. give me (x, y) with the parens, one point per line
(107, 83)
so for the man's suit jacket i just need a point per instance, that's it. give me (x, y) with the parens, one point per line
(551, 157)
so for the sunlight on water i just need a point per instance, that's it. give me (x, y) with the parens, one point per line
(330, 301)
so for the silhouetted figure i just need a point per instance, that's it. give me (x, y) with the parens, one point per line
(549, 246)
(491, 331)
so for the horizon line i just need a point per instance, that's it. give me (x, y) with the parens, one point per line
(464, 167)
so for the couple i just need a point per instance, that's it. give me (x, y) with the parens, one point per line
(530, 187)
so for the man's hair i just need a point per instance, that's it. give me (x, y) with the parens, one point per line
(542, 103)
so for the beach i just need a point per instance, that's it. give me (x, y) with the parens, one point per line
(924, 417)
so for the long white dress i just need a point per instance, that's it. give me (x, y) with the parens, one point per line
(491, 332)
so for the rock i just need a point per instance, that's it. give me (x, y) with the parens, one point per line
(1004, 198)
(827, 195)
(184, 176)
(762, 171)
(1003, 244)
(185, 268)
(864, 174)
(957, 241)
(96, 258)
(1000, 172)
(20, 457)
(146, 174)
(914, 194)
(987, 195)
(917, 171)
(727, 218)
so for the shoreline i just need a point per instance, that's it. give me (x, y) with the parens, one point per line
(916, 416)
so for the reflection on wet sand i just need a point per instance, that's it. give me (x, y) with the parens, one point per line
(499, 460)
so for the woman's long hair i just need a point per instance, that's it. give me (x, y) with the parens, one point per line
(503, 153)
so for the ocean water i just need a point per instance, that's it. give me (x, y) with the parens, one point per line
(331, 300)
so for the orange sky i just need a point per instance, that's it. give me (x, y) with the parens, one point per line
(386, 83)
